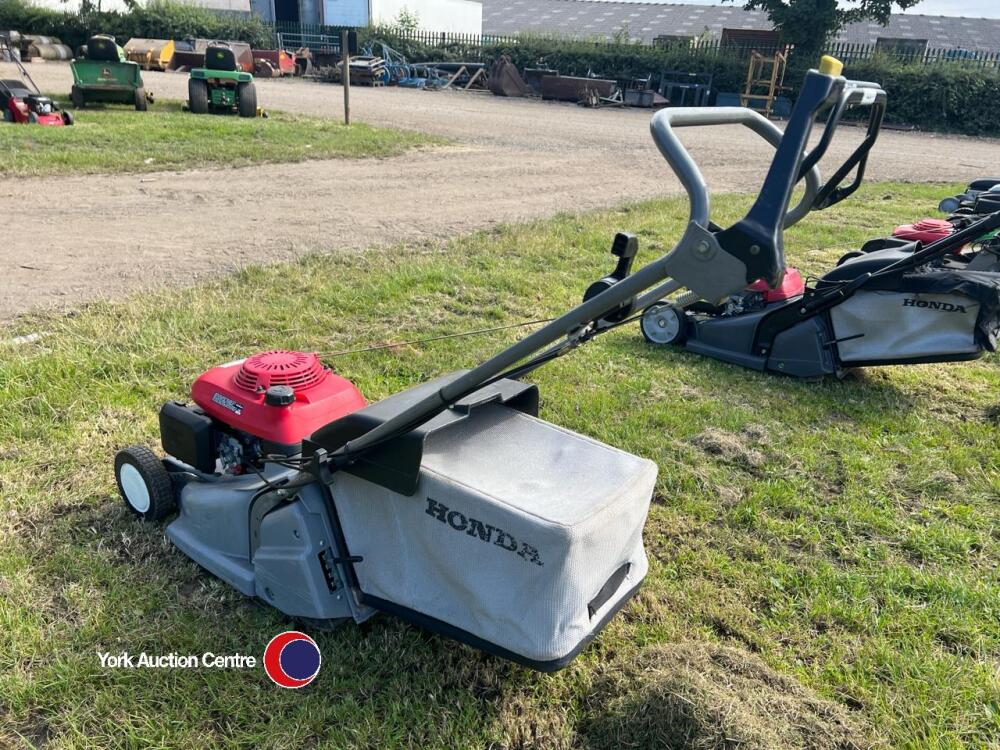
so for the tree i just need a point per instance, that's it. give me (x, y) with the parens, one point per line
(406, 21)
(809, 24)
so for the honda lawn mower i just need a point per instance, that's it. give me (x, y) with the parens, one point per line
(452, 504)
(980, 199)
(221, 86)
(895, 305)
(22, 102)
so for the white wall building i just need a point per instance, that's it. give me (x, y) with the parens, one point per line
(119, 5)
(458, 16)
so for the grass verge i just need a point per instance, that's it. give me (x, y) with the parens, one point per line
(824, 555)
(118, 139)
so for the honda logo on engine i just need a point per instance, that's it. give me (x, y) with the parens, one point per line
(227, 403)
(931, 305)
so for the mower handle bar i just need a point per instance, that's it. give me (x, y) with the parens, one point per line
(854, 94)
(662, 128)
(762, 226)
(846, 94)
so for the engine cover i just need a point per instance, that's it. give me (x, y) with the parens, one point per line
(925, 231)
(234, 394)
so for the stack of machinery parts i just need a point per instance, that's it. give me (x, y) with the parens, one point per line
(365, 71)
(682, 88)
(150, 54)
(34, 46)
(273, 63)
(533, 77)
(639, 92)
(505, 80)
(577, 89)
(190, 54)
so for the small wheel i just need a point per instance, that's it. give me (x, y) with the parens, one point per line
(76, 96)
(246, 99)
(8, 116)
(32, 118)
(144, 484)
(663, 324)
(198, 96)
(140, 99)
(67, 117)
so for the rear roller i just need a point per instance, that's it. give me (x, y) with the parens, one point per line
(663, 324)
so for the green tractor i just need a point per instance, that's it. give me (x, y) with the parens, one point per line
(221, 86)
(104, 75)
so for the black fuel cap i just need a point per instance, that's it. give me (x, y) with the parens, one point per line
(279, 395)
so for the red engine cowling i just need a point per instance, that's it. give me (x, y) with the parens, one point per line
(234, 394)
(792, 285)
(925, 231)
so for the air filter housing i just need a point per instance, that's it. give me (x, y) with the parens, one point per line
(234, 394)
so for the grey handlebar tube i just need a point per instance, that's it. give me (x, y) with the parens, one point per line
(677, 156)
(697, 236)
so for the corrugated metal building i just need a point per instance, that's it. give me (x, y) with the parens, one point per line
(645, 21)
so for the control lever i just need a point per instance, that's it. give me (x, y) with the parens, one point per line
(625, 247)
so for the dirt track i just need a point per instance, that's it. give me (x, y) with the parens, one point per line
(512, 160)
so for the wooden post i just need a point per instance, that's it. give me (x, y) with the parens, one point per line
(345, 57)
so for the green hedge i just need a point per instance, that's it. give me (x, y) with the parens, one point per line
(949, 97)
(158, 19)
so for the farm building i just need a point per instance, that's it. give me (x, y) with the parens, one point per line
(647, 21)
(456, 16)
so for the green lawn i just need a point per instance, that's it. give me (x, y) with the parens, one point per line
(119, 139)
(824, 556)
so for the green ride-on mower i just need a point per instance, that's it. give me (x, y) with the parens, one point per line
(221, 87)
(103, 75)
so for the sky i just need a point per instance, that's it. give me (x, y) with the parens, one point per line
(967, 8)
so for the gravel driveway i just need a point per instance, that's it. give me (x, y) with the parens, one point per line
(511, 160)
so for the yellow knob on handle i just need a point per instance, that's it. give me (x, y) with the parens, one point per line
(830, 66)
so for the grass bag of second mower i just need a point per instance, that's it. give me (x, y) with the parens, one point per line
(522, 538)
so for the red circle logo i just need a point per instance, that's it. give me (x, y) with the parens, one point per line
(292, 659)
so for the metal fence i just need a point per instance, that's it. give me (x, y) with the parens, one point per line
(474, 44)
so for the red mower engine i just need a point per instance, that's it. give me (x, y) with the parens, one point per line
(263, 405)
(925, 231)
(758, 295)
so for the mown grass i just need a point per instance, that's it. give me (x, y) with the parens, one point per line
(107, 139)
(824, 555)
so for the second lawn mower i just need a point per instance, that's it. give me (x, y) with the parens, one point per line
(21, 102)
(221, 86)
(896, 305)
(955, 251)
(104, 75)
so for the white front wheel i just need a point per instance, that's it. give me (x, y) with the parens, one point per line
(144, 483)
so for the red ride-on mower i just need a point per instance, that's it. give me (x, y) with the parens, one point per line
(22, 102)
